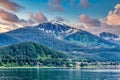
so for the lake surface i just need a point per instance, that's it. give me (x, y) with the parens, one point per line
(59, 74)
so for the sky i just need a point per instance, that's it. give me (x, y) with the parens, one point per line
(94, 16)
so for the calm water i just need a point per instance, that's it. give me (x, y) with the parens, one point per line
(59, 74)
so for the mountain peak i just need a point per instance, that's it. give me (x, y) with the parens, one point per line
(57, 29)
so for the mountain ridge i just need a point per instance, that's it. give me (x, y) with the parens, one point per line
(91, 46)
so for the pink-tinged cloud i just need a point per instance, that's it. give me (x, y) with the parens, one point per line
(10, 21)
(55, 5)
(9, 17)
(7, 26)
(113, 17)
(86, 20)
(9, 5)
(84, 3)
(14, 19)
(37, 17)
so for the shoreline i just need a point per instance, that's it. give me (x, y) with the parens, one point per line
(33, 67)
(52, 67)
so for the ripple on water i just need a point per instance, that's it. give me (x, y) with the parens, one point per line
(103, 70)
(9, 78)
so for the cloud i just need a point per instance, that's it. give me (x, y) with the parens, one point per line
(7, 26)
(9, 5)
(77, 25)
(37, 17)
(9, 17)
(60, 19)
(84, 3)
(111, 23)
(55, 5)
(91, 25)
(86, 20)
(10, 21)
(113, 17)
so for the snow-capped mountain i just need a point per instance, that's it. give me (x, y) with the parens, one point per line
(58, 30)
(110, 37)
(73, 41)
(73, 35)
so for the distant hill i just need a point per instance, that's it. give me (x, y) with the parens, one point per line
(29, 53)
(101, 54)
(87, 39)
(110, 37)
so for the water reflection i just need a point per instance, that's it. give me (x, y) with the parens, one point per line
(59, 74)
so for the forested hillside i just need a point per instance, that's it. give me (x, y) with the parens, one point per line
(30, 54)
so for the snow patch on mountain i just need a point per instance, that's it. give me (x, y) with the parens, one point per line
(58, 30)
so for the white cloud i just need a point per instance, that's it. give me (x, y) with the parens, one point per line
(113, 17)
(111, 23)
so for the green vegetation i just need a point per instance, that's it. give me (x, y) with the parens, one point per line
(30, 54)
(88, 40)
